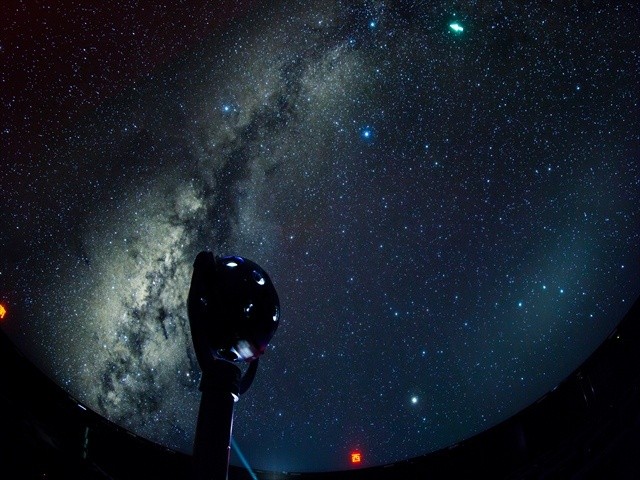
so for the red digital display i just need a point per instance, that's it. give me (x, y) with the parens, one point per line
(356, 457)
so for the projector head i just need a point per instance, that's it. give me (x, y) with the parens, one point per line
(233, 308)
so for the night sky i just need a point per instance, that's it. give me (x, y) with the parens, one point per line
(445, 195)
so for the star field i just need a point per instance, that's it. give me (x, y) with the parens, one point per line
(445, 197)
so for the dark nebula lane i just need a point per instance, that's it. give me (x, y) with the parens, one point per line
(445, 197)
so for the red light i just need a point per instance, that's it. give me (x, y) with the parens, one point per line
(356, 457)
(3, 311)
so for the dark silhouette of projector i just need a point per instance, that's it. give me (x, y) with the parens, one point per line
(234, 311)
(233, 308)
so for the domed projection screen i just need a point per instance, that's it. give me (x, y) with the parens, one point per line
(445, 197)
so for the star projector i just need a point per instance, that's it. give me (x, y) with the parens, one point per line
(233, 308)
(233, 313)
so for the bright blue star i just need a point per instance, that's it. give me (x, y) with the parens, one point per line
(372, 24)
(366, 133)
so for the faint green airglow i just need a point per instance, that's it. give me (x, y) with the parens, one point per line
(456, 27)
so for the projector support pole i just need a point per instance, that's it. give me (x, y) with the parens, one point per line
(220, 387)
